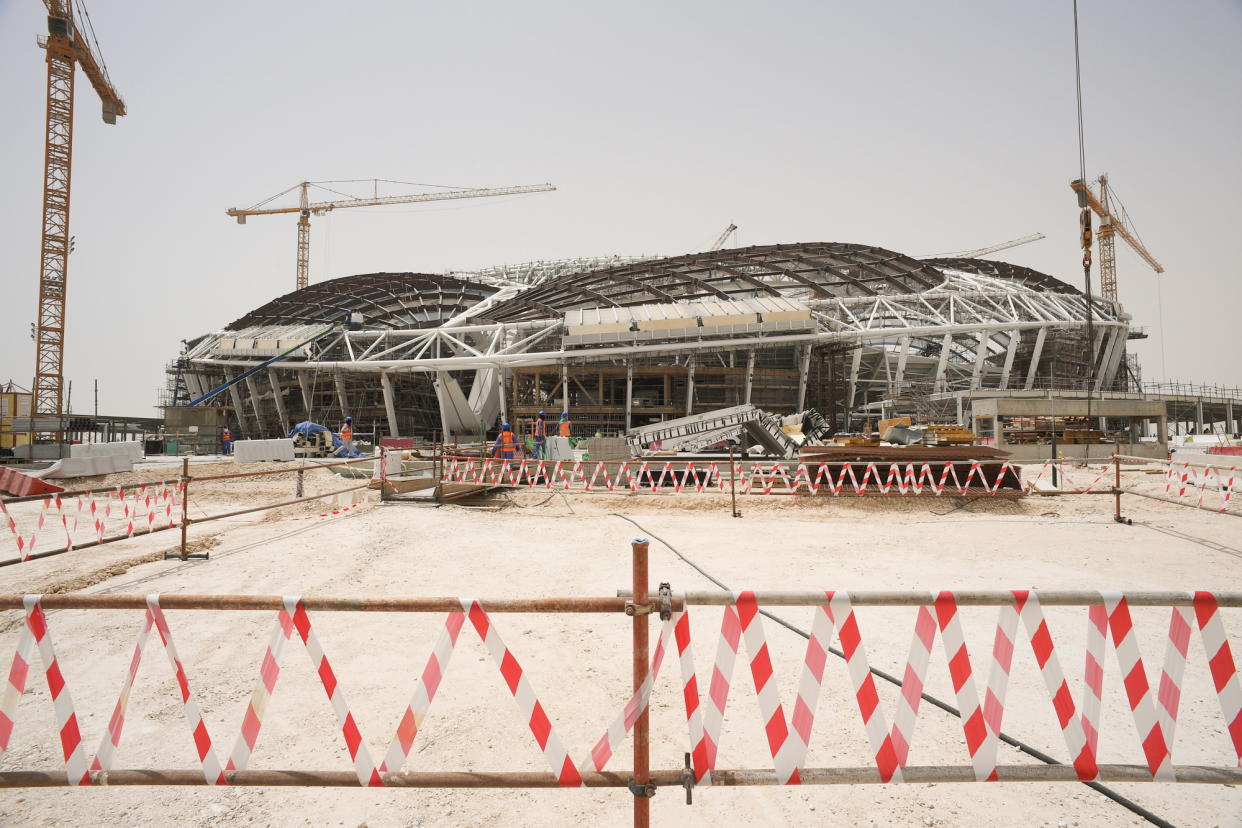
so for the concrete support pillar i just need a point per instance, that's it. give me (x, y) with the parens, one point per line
(904, 348)
(750, 376)
(1230, 425)
(254, 403)
(981, 353)
(390, 406)
(690, 385)
(942, 379)
(564, 386)
(1035, 355)
(339, 381)
(304, 384)
(958, 399)
(1199, 417)
(243, 419)
(279, 398)
(855, 365)
(804, 368)
(629, 394)
(500, 387)
(1014, 338)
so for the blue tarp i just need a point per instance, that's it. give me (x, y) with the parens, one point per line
(338, 446)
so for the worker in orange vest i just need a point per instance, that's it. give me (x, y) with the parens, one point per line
(541, 433)
(347, 435)
(506, 444)
(226, 440)
(566, 428)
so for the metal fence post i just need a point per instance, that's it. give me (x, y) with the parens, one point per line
(642, 727)
(185, 503)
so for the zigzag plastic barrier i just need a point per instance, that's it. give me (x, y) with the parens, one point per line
(1154, 706)
(124, 510)
(1204, 487)
(758, 478)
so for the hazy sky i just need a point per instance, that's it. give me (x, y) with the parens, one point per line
(924, 127)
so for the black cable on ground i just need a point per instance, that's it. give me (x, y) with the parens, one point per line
(1129, 805)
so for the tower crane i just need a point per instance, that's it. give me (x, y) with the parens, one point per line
(306, 208)
(723, 237)
(983, 251)
(1113, 220)
(67, 45)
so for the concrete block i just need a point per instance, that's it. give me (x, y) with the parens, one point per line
(255, 451)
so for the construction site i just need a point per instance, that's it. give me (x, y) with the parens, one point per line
(978, 568)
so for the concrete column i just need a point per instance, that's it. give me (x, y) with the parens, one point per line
(750, 375)
(499, 385)
(854, 367)
(903, 345)
(339, 381)
(690, 385)
(942, 380)
(804, 368)
(564, 386)
(390, 406)
(1035, 355)
(629, 394)
(254, 403)
(243, 419)
(304, 384)
(958, 399)
(1230, 426)
(1014, 338)
(1199, 417)
(279, 398)
(981, 353)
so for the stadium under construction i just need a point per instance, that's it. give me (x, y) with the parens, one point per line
(856, 332)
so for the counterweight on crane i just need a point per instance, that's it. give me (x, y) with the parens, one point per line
(66, 46)
(1113, 220)
(306, 208)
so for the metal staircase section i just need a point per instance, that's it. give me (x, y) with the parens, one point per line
(701, 430)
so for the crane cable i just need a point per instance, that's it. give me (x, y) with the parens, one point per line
(1084, 219)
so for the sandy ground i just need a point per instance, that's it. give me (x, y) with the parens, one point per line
(540, 546)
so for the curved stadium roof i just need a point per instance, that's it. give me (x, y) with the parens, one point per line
(809, 271)
(385, 300)
(806, 271)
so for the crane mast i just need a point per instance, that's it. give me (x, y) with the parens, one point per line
(306, 208)
(65, 49)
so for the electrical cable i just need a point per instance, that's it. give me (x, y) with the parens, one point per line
(1131, 806)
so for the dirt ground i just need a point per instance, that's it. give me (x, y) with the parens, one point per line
(531, 544)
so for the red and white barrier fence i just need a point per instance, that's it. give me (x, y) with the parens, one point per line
(766, 478)
(1153, 702)
(1207, 486)
(93, 514)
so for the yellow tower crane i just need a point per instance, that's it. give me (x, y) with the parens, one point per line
(306, 208)
(1113, 221)
(67, 45)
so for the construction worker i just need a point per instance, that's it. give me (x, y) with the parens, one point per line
(226, 440)
(566, 428)
(541, 433)
(347, 435)
(506, 444)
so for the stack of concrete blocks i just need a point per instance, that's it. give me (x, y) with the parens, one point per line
(91, 459)
(254, 451)
(124, 448)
